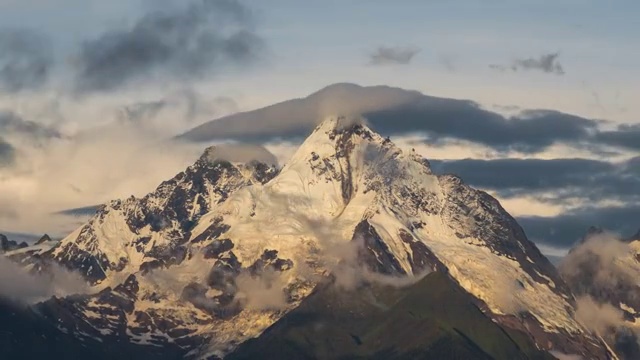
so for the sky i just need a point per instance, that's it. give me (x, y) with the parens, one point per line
(89, 90)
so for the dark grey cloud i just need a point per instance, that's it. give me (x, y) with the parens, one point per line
(626, 136)
(84, 211)
(564, 230)
(7, 154)
(507, 107)
(446, 119)
(553, 180)
(393, 111)
(191, 103)
(12, 123)
(547, 63)
(142, 110)
(186, 45)
(385, 55)
(26, 58)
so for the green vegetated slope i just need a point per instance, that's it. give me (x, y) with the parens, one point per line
(432, 319)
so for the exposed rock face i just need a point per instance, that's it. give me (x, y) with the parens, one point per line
(10, 245)
(223, 250)
(151, 232)
(44, 239)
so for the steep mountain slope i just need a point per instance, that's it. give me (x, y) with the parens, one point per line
(31, 256)
(346, 184)
(144, 237)
(149, 233)
(225, 249)
(431, 319)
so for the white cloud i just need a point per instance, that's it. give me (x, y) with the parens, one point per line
(18, 284)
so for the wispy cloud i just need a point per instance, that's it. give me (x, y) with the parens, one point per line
(448, 62)
(547, 63)
(7, 153)
(26, 58)
(18, 284)
(397, 55)
(187, 44)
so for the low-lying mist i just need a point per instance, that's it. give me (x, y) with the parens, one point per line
(602, 271)
(24, 287)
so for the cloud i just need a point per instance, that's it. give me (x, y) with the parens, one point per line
(552, 180)
(142, 111)
(7, 153)
(100, 149)
(187, 44)
(393, 111)
(626, 136)
(17, 284)
(84, 211)
(547, 63)
(445, 119)
(242, 153)
(186, 104)
(48, 186)
(594, 266)
(397, 55)
(448, 62)
(569, 227)
(12, 123)
(598, 317)
(26, 58)
(264, 292)
(602, 271)
(96, 165)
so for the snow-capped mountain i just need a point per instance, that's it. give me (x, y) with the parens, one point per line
(30, 255)
(223, 250)
(144, 234)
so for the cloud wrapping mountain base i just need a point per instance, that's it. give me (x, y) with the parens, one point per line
(22, 286)
(602, 271)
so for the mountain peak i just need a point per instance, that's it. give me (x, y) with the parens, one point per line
(342, 146)
(45, 238)
(349, 203)
(340, 123)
